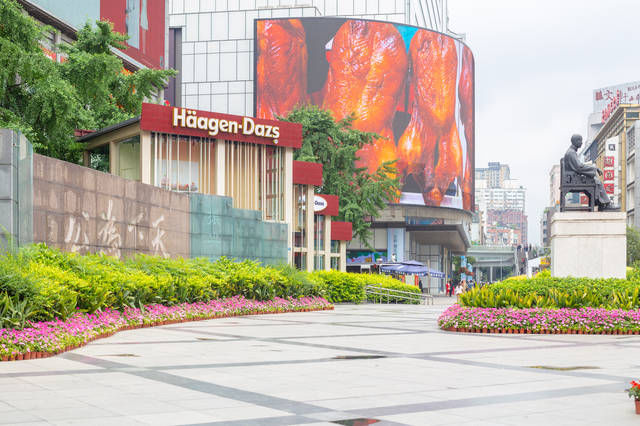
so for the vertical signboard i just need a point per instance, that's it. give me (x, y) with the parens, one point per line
(610, 173)
(395, 244)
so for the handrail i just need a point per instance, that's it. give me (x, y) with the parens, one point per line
(396, 294)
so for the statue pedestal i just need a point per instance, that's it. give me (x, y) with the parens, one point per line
(589, 244)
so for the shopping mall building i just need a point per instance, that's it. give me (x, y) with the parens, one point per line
(256, 59)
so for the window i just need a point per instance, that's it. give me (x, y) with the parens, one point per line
(183, 163)
(272, 175)
(300, 216)
(243, 165)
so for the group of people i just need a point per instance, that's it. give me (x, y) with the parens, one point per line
(461, 287)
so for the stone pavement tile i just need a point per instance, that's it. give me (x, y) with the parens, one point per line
(177, 418)
(242, 413)
(208, 403)
(430, 418)
(17, 416)
(52, 414)
(43, 402)
(330, 416)
(138, 406)
(381, 400)
(104, 421)
(41, 423)
(485, 412)
(19, 386)
(537, 419)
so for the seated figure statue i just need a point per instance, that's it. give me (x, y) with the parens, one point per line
(573, 164)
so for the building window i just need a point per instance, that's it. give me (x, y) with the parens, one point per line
(243, 174)
(272, 189)
(183, 163)
(335, 263)
(300, 216)
(300, 260)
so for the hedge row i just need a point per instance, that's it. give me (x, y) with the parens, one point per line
(39, 283)
(544, 291)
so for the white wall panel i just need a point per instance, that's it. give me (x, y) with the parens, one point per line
(191, 28)
(187, 68)
(213, 67)
(219, 103)
(200, 68)
(207, 5)
(236, 104)
(228, 66)
(236, 25)
(204, 24)
(220, 26)
(191, 6)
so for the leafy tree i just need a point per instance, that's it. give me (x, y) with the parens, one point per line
(47, 100)
(334, 144)
(633, 245)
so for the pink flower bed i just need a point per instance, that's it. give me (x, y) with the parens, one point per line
(537, 320)
(52, 337)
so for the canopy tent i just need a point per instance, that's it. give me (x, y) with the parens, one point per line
(410, 267)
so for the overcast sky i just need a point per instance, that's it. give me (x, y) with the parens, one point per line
(537, 64)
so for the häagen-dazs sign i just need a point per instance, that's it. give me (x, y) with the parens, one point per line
(189, 118)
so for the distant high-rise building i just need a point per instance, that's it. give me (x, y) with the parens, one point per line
(496, 174)
(501, 201)
(554, 185)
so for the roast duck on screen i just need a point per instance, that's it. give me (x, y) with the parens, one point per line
(412, 87)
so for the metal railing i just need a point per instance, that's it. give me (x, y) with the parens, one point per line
(392, 295)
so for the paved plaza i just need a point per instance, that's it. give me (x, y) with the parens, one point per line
(385, 362)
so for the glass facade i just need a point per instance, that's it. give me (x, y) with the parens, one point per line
(217, 40)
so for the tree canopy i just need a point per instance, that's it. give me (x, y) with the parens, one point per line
(48, 100)
(334, 144)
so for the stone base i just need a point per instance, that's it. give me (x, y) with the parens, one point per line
(589, 244)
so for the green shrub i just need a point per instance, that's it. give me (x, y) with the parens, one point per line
(345, 287)
(544, 291)
(42, 283)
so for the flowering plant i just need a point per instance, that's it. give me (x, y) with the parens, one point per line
(538, 320)
(634, 390)
(51, 337)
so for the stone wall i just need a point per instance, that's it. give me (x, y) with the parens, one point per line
(82, 210)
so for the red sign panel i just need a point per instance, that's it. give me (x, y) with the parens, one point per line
(342, 231)
(609, 161)
(329, 204)
(609, 188)
(189, 122)
(307, 173)
(608, 175)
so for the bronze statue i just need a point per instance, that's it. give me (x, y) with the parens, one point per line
(573, 164)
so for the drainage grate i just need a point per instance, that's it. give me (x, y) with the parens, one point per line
(359, 356)
(548, 367)
(356, 422)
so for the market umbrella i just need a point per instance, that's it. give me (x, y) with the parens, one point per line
(410, 267)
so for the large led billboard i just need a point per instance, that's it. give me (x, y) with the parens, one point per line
(414, 87)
